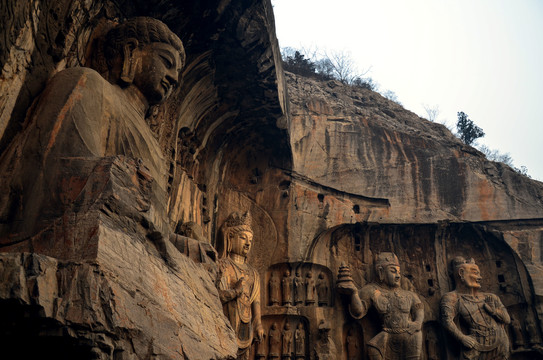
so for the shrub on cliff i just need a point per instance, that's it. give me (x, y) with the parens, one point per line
(467, 131)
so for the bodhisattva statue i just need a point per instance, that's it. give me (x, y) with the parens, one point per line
(239, 283)
(84, 114)
(483, 315)
(401, 311)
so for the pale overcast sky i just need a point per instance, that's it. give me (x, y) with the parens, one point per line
(483, 57)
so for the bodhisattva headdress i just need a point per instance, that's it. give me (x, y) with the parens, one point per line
(459, 262)
(384, 259)
(235, 223)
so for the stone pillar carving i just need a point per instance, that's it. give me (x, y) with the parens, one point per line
(483, 313)
(239, 282)
(401, 332)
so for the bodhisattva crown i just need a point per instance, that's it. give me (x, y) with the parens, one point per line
(236, 219)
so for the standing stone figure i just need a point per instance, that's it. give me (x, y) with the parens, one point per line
(483, 314)
(82, 114)
(298, 289)
(274, 289)
(531, 329)
(322, 290)
(287, 342)
(517, 332)
(325, 348)
(310, 289)
(401, 337)
(260, 353)
(275, 342)
(287, 288)
(239, 283)
(299, 342)
(353, 347)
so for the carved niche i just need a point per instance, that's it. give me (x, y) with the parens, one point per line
(423, 255)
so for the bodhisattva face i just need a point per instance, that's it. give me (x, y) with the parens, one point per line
(471, 276)
(392, 275)
(159, 71)
(241, 242)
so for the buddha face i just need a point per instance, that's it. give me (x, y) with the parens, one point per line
(391, 275)
(241, 242)
(470, 275)
(159, 71)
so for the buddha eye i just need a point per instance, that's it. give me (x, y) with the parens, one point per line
(166, 61)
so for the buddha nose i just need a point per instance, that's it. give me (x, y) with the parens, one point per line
(173, 77)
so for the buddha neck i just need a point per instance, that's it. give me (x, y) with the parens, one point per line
(238, 259)
(137, 99)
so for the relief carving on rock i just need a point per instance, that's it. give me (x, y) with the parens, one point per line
(239, 283)
(483, 314)
(401, 311)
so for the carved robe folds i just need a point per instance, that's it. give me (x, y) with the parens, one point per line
(239, 309)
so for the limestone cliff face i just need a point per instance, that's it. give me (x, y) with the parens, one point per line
(356, 141)
(392, 166)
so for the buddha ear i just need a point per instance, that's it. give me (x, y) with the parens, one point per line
(130, 61)
(380, 273)
(461, 273)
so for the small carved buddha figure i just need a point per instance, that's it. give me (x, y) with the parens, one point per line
(299, 342)
(400, 310)
(298, 289)
(274, 287)
(482, 313)
(275, 342)
(287, 342)
(322, 290)
(286, 283)
(239, 283)
(310, 289)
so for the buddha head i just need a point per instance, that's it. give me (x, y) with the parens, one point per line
(144, 52)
